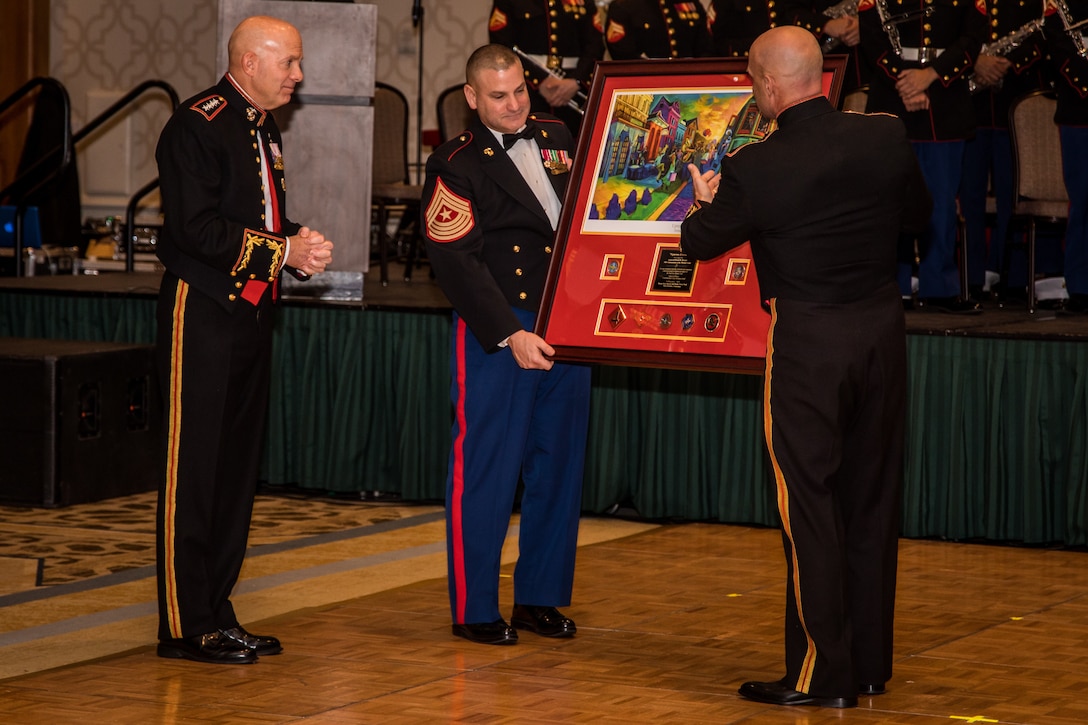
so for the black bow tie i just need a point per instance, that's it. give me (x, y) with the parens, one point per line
(509, 139)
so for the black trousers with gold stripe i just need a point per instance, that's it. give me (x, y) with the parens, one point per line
(214, 375)
(834, 417)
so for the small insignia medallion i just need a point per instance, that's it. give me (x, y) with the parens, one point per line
(617, 317)
(251, 113)
(489, 151)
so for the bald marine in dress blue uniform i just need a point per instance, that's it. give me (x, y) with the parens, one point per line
(490, 207)
(225, 241)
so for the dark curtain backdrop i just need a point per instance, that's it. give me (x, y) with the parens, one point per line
(997, 441)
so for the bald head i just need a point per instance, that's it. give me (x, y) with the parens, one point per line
(265, 59)
(786, 67)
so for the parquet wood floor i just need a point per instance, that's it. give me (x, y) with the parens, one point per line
(671, 620)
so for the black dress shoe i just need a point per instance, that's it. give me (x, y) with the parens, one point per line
(260, 645)
(951, 305)
(212, 647)
(497, 632)
(869, 689)
(545, 621)
(776, 693)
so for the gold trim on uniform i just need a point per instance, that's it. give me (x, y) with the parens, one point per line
(253, 241)
(804, 679)
(173, 440)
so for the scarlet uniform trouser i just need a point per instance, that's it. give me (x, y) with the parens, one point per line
(834, 397)
(214, 375)
(510, 422)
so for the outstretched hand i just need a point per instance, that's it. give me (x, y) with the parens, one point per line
(705, 183)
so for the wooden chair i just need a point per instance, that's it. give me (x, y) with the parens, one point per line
(454, 114)
(391, 187)
(1039, 195)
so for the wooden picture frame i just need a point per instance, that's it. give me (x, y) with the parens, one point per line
(619, 290)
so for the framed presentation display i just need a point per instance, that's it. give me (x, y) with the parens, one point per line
(620, 291)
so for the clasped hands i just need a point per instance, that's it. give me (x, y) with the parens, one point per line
(990, 69)
(845, 29)
(310, 251)
(912, 85)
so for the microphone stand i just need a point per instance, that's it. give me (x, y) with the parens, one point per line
(417, 22)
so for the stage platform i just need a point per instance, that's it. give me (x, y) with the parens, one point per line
(1010, 321)
(997, 427)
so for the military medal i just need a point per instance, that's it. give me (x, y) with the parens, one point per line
(555, 160)
(277, 156)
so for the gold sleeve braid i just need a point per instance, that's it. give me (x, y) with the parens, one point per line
(261, 255)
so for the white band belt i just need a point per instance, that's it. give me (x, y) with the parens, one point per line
(542, 61)
(920, 55)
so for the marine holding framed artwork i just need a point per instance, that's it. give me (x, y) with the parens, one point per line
(619, 289)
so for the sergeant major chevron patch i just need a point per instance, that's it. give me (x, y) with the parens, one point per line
(448, 216)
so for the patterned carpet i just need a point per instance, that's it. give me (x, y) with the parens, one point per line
(78, 583)
(44, 547)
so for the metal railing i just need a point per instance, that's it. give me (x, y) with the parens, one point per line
(106, 115)
(18, 194)
(19, 190)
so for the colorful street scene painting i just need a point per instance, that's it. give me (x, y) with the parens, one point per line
(642, 183)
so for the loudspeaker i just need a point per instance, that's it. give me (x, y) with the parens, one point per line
(79, 421)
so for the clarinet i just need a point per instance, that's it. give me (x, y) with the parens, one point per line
(1072, 29)
(1005, 45)
(890, 28)
(890, 24)
(838, 10)
(577, 103)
